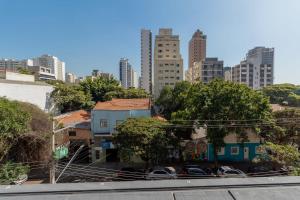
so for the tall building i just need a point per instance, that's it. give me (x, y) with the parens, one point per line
(257, 70)
(146, 60)
(127, 74)
(97, 73)
(205, 70)
(13, 65)
(197, 48)
(56, 66)
(168, 64)
(227, 73)
(70, 77)
(193, 74)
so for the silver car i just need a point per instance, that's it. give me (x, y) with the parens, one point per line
(228, 172)
(161, 174)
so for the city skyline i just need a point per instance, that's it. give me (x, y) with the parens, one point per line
(86, 41)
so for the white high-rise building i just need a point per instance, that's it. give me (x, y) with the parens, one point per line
(257, 71)
(56, 66)
(146, 60)
(13, 65)
(128, 77)
(168, 64)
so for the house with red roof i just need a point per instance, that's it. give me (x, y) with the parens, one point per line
(106, 116)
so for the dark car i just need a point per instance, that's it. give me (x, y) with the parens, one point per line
(207, 170)
(130, 173)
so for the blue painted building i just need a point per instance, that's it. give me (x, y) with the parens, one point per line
(106, 116)
(234, 150)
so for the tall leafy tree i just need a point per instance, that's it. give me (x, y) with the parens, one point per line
(71, 97)
(283, 93)
(98, 87)
(219, 103)
(172, 99)
(145, 137)
(285, 129)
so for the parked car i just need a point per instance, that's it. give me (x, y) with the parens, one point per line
(226, 171)
(163, 173)
(130, 173)
(208, 171)
(194, 173)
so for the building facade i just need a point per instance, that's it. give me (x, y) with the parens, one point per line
(127, 74)
(227, 74)
(56, 66)
(257, 70)
(197, 48)
(70, 77)
(106, 116)
(146, 60)
(13, 65)
(212, 68)
(168, 64)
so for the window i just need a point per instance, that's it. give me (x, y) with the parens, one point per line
(234, 150)
(160, 45)
(166, 70)
(159, 172)
(259, 150)
(97, 154)
(178, 78)
(72, 133)
(221, 151)
(160, 56)
(174, 56)
(103, 123)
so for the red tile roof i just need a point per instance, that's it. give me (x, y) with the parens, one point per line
(124, 104)
(73, 117)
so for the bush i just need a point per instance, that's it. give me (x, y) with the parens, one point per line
(10, 172)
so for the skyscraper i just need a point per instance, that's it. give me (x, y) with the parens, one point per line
(257, 70)
(168, 64)
(128, 77)
(56, 66)
(146, 60)
(197, 48)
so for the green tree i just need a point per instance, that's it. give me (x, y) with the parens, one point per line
(130, 93)
(144, 137)
(285, 128)
(171, 100)
(23, 70)
(71, 97)
(218, 103)
(286, 155)
(13, 122)
(281, 93)
(98, 87)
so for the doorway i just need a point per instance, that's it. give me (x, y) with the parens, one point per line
(246, 153)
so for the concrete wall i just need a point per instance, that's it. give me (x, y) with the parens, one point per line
(38, 95)
(19, 77)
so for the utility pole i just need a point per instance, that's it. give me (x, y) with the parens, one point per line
(52, 165)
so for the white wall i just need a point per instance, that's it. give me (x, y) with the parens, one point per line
(32, 93)
(19, 77)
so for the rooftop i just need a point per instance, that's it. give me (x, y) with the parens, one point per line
(73, 118)
(124, 104)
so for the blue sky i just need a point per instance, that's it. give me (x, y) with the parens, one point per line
(89, 34)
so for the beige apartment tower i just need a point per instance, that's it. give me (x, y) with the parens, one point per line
(197, 48)
(168, 64)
